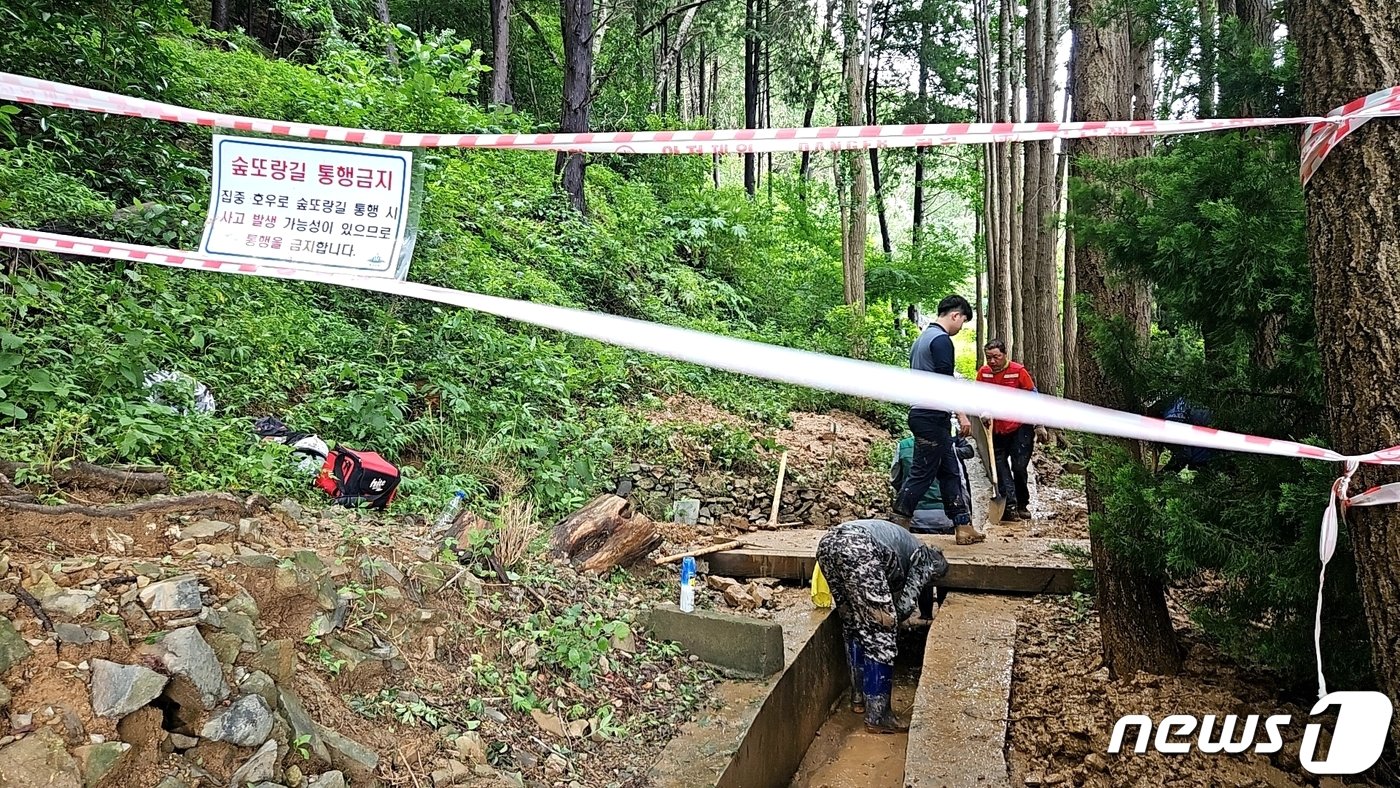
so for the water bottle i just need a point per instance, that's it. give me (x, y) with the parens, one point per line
(688, 584)
(449, 514)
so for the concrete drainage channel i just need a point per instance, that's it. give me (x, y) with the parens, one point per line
(796, 728)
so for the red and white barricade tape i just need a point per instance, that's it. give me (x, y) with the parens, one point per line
(1323, 135)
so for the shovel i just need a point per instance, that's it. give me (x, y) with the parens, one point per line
(997, 506)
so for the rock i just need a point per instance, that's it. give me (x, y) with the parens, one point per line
(260, 684)
(451, 773)
(4, 697)
(738, 596)
(205, 529)
(717, 583)
(241, 624)
(331, 779)
(245, 723)
(1035, 778)
(243, 603)
(176, 595)
(556, 764)
(182, 743)
(277, 659)
(184, 547)
(95, 761)
(72, 633)
(171, 782)
(548, 722)
(13, 648)
(1096, 762)
(289, 706)
(356, 760)
(262, 766)
(39, 760)
(118, 690)
(471, 748)
(226, 646)
(7, 602)
(69, 604)
(430, 577)
(294, 777)
(187, 654)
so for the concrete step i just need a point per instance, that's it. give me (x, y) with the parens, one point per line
(958, 728)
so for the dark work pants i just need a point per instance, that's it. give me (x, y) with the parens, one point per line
(934, 460)
(1013, 451)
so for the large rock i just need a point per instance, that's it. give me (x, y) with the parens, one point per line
(205, 529)
(241, 625)
(176, 595)
(13, 649)
(96, 761)
(246, 723)
(80, 636)
(226, 647)
(118, 690)
(277, 659)
(69, 604)
(186, 654)
(356, 760)
(39, 760)
(260, 684)
(331, 779)
(289, 706)
(262, 766)
(243, 602)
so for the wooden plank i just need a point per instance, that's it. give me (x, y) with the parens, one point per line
(958, 728)
(1024, 566)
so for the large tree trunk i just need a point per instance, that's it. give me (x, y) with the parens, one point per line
(578, 77)
(1018, 160)
(500, 45)
(218, 14)
(750, 89)
(1256, 20)
(1205, 90)
(986, 112)
(858, 207)
(872, 117)
(1349, 48)
(1028, 340)
(1001, 297)
(381, 10)
(1137, 631)
(1046, 368)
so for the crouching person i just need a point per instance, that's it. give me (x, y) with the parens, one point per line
(877, 572)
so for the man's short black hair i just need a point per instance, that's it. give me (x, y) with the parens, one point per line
(996, 344)
(955, 303)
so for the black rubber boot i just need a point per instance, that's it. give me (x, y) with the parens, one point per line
(855, 657)
(879, 685)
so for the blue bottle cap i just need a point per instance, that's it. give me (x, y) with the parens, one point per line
(687, 568)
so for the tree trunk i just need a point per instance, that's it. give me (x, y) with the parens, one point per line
(500, 61)
(853, 257)
(604, 535)
(218, 14)
(920, 154)
(673, 55)
(1047, 280)
(714, 90)
(381, 10)
(872, 117)
(1070, 319)
(1205, 91)
(1256, 20)
(1028, 339)
(577, 17)
(979, 314)
(1001, 297)
(750, 89)
(1018, 153)
(1137, 631)
(1352, 227)
(809, 110)
(986, 112)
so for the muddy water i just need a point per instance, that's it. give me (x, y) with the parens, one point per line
(845, 755)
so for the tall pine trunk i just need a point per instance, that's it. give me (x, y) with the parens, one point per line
(853, 257)
(920, 155)
(577, 18)
(814, 92)
(500, 61)
(1132, 606)
(1002, 294)
(1018, 159)
(872, 117)
(1028, 340)
(381, 10)
(1047, 279)
(986, 112)
(750, 89)
(1352, 227)
(218, 14)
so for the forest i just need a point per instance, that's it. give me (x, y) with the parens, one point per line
(1127, 272)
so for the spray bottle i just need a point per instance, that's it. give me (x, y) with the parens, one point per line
(688, 584)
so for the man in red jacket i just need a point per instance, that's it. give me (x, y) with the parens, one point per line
(1012, 441)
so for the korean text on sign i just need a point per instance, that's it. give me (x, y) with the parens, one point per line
(313, 206)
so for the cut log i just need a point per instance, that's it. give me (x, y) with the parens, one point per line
(85, 474)
(605, 534)
(715, 548)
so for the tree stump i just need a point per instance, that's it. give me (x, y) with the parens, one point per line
(606, 533)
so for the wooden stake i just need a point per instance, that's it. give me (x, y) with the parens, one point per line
(778, 492)
(714, 548)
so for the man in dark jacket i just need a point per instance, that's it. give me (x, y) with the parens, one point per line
(935, 458)
(876, 571)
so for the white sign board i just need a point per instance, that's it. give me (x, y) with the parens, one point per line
(328, 208)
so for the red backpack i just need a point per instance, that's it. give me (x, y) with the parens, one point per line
(354, 477)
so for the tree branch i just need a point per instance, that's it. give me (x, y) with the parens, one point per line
(535, 26)
(666, 17)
